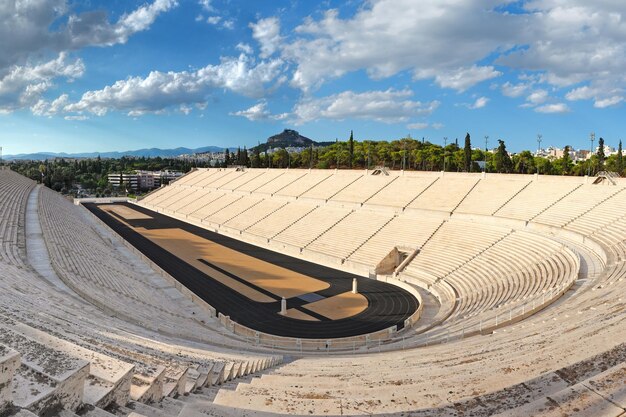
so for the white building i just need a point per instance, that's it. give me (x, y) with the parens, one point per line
(143, 180)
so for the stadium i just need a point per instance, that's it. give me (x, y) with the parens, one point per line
(257, 292)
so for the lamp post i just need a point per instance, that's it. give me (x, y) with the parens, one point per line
(485, 157)
(539, 137)
(592, 138)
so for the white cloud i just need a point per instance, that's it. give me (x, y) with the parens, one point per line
(160, 90)
(228, 24)
(37, 31)
(255, 113)
(608, 102)
(213, 20)
(267, 33)
(514, 90)
(244, 47)
(139, 20)
(462, 78)
(206, 5)
(431, 38)
(77, 118)
(23, 86)
(537, 97)
(574, 41)
(389, 106)
(418, 126)
(553, 108)
(479, 103)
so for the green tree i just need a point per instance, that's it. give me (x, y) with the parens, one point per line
(502, 160)
(600, 154)
(227, 161)
(566, 161)
(620, 161)
(351, 149)
(468, 153)
(524, 163)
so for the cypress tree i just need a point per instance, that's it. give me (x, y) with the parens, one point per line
(601, 154)
(351, 147)
(468, 153)
(226, 158)
(566, 161)
(620, 161)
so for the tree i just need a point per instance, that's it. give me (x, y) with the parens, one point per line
(468, 153)
(601, 154)
(256, 158)
(351, 148)
(566, 161)
(226, 157)
(620, 161)
(501, 160)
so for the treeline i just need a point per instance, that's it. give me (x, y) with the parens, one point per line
(412, 154)
(92, 174)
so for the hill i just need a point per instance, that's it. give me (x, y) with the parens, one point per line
(148, 153)
(287, 138)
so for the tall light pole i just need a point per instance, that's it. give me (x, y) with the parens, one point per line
(592, 138)
(485, 157)
(445, 143)
(539, 137)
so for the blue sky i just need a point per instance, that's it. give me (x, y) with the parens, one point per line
(119, 75)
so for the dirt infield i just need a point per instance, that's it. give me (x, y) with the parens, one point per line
(247, 283)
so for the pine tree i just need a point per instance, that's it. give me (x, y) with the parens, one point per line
(351, 147)
(601, 154)
(238, 157)
(620, 161)
(468, 153)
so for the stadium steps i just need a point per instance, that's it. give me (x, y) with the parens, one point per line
(286, 185)
(292, 223)
(327, 229)
(422, 192)
(370, 237)
(252, 191)
(47, 379)
(472, 258)
(313, 186)
(222, 208)
(242, 212)
(512, 197)
(204, 205)
(554, 202)
(343, 188)
(264, 217)
(592, 208)
(465, 196)
(379, 190)
(109, 378)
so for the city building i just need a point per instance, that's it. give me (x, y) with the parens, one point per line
(143, 180)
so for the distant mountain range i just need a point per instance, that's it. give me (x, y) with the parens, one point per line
(287, 138)
(151, 153)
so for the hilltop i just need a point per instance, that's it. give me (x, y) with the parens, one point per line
(287, 138)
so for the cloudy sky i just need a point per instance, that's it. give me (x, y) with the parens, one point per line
(125, 74)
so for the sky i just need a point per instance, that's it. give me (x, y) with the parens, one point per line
(89, 75)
